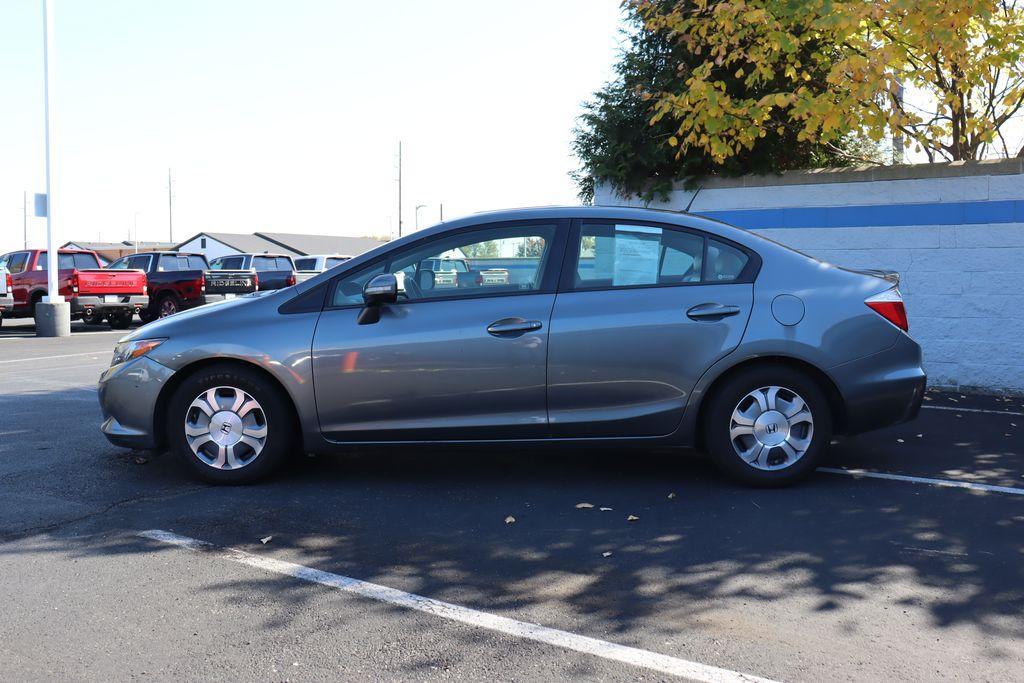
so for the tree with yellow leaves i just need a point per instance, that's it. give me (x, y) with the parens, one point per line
(960, 61)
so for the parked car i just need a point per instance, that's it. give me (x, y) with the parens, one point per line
(318, 263)
(179, 281)
(274, 271)
(93, 292)
(652, 329)
(6, 289)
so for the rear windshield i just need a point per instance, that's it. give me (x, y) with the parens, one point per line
(331, 262)
(271, 263)
(69, 261)
(174, 263)
(305, 264)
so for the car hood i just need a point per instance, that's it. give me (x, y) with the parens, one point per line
(166, 327)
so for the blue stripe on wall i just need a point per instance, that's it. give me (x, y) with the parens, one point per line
(879, 215)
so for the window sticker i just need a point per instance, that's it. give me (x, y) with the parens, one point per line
(637, 252)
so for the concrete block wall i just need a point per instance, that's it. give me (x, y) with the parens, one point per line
(954, 232)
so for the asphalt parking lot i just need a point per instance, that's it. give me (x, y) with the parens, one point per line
(849, 576)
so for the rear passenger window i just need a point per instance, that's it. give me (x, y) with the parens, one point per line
(725, 263)
(631, 255)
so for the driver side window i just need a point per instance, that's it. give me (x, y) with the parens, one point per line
(483, 262)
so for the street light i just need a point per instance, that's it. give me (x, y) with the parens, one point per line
(418, 207)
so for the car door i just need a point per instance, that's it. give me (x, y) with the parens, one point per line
(643, 310)
(450, 360)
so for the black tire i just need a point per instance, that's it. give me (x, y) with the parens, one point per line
(146, 317)
(281, 435)
(167, 305)
(120, 320)
(727, 397)
(91, 317)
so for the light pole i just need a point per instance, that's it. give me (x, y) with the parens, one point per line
(136, 224)
(418, 207)
(53, 314)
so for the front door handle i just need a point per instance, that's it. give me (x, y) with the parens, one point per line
(712, 311)
(513, 326)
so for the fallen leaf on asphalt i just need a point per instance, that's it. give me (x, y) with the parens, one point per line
(265, 540)
(605, 509)
(632, 518)
(672, 495)
(920, 435)
(140, 460)
(1013, 424)
(510, 520)
(584, 506)
(607, 554)
(899, 441)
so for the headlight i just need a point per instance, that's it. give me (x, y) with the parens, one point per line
(129, 350)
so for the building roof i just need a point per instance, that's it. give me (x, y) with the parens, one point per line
(322, 244)
(290, 243)
(243, 244)
(115, 246)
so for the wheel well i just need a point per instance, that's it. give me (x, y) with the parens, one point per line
(162, 401)
(835, 398)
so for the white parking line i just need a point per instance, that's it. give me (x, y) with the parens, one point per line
(974, 410)
(66, 355)
(948, 483)
(446, 610)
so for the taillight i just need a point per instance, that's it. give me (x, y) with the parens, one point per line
(74, 282)
(10, 282)
(290, 281)
(200, 284)
(889, 305)
(255, 280)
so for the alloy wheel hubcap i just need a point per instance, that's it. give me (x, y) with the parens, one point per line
(226, 428)
(167, 308)
(771, 428)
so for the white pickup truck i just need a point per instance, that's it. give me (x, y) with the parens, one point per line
(6, 291)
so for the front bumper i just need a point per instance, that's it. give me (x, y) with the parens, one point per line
(883, 389)
(128, 395)
(100, 303)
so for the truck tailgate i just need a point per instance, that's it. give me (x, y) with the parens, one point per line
(230, 282)
(100, 281)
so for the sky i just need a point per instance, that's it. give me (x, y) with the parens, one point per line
(285, 116)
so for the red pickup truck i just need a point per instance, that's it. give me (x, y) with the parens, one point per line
(92, 291)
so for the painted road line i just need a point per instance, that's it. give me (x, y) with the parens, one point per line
(98, 354)
(974, 410)
(446, 610)
(948, 483)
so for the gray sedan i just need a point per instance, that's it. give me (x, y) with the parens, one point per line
(638, 327)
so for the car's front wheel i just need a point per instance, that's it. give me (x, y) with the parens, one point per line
(768, 426)
(229, 424)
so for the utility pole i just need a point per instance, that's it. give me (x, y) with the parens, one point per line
(52, 314)
(170, 208)
(441, 217)
(399, 188)
(24, 217)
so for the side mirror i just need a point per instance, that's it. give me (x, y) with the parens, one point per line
(382, 289)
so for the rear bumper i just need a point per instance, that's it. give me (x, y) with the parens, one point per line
(6, 304)
(133, 302)
(128, 394)
(214, 298)
(882, 389)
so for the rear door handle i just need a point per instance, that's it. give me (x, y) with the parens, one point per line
(712, 311)
(513, 326)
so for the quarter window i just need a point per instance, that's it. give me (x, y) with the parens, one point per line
(623, 255)
(725, 263)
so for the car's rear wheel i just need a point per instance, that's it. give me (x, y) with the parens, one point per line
(229, 425)
(768, 426)
(168, 306)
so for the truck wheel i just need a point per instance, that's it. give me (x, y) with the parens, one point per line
(768, 426)
(230, 425)
(146, 316)
(168, 305)
(90, 316)
(120, 320)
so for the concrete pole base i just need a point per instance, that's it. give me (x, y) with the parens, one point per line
(53, 319)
